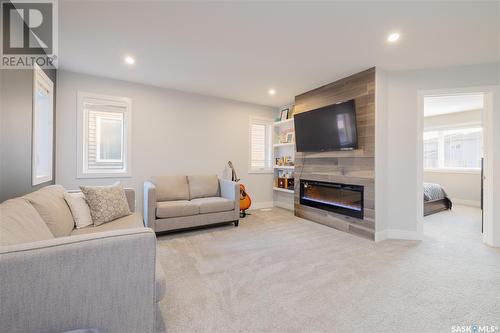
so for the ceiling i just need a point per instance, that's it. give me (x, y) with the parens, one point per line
(241, 50)
(438, 105)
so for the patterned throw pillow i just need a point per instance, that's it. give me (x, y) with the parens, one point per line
(107, 203)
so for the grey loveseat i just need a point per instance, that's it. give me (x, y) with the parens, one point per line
(180, 202)
(55, 278)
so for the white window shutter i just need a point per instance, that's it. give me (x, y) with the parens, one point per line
(260, 145)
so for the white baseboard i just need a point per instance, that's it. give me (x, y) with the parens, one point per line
(471, 203)
(285, 205)
(260, 205)
(397, 234)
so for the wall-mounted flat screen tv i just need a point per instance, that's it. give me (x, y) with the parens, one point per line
(332, 127)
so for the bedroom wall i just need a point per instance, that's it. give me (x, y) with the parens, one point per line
(462, 187)
(173, 133)
(400, 110)
(473, 117)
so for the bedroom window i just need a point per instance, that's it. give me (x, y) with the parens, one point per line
(103, 136)
(260, 145)
(453, 149)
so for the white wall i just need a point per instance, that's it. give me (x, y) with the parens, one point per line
(397, 192)
(172, 133)
(465, 118)
(463, 188)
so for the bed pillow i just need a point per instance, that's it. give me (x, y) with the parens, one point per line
(106, 203)
(79, 209)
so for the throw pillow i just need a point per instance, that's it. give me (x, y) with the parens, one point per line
(50, 204)
(79, 209)
(21, 223)
(106, 203)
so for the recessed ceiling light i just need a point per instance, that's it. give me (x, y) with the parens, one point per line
(129, 60)
(272, 92)
(393, 37)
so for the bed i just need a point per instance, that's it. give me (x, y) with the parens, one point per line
(435, 199)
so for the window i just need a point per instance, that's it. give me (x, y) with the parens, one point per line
(431, 143)
(43, 127)
(103, 136)
(109, 138)
(260, 145)
(453, 149)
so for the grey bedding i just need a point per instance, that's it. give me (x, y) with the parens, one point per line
(434, 192)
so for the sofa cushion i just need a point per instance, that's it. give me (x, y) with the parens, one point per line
(107, 203)
(131, 221)
(213, 204)
(203, 186)
(171, 188)
(50, 204)
(21, 223)
(176, 208)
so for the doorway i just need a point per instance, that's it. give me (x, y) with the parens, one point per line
(452, 150)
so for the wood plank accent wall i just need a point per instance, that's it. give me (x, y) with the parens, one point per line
(355, 167)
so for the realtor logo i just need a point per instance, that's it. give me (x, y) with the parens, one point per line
(29, 33)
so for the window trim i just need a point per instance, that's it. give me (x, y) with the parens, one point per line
(454, 170)
(441, 157)
(40, 78)
(264, 121)
(82, 139)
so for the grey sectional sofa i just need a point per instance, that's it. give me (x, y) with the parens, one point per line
(180, 202)
(55, 278)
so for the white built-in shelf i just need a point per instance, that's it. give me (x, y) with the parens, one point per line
(279, 189)
(282, 122)
(284, 167)
(284, 144)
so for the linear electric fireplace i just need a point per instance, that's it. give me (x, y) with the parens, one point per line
(338, 198)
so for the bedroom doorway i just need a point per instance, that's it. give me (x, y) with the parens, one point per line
(452, 163)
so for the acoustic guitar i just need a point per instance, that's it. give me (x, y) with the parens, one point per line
(245, 201)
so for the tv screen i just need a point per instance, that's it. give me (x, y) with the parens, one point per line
(332, 127)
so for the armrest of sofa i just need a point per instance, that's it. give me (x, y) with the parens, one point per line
(231, 191)
(102, 280)
(130, 194)
(149, 205)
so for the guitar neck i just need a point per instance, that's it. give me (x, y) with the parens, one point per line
(234, 177)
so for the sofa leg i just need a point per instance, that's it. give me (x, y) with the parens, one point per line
(236, 223)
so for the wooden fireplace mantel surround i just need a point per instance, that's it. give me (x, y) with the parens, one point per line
(355, 167)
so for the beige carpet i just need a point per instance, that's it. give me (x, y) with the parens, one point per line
(279, 273)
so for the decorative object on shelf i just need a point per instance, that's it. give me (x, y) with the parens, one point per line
(285, 135)
(287, 183)
(290, 137)
(284, 114)
(284, 161)
(285, 179)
